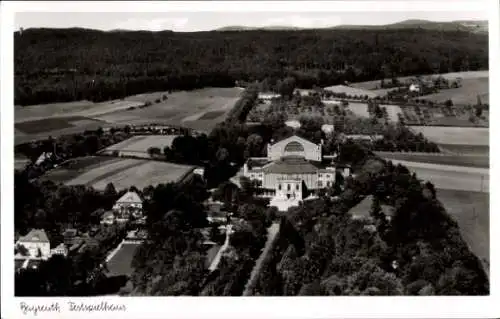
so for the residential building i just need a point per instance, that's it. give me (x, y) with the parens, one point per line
(130, 204)
(37, 243)
(59, 250)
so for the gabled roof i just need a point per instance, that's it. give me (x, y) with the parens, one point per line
(35, 235)
(129, 197)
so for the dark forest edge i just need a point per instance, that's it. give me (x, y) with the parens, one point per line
(105, 66)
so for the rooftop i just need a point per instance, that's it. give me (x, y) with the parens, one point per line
(130, 197)
(291, 165)
(35, 235)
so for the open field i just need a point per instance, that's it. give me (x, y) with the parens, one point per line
(351, 90)
(98, 171)
(183, 108)
(138, 145)
(471, 211)
(54, 124)
(480, 161)
(464, 95)
(371, 85)
(198, 109)
(451, 177)
(120, 264)
(454, 135)
(463, 149)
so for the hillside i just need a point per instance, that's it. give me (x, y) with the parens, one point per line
(59, 65)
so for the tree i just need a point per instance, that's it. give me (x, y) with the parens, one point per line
(154, 151)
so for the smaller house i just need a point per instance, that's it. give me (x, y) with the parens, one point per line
(69, 236)
(37, 243)
(414, 87)
(59, 250)
(130, 204)
(43, 157)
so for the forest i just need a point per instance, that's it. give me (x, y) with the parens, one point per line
(54, 65)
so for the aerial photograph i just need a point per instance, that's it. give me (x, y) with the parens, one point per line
(251, 154)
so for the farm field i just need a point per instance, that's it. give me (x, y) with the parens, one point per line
(443, 159)
(198, 109)
(471, 211)
(454, 135)
(183, 108)
(463, 149)
(138, 145)
(351, 90)
(464, 95)
(120, 264)
(371, 85)
(98, 171)
(451, 177)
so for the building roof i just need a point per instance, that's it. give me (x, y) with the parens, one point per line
(291, 165)
(129, 197)
(35, 235)
(108, 214)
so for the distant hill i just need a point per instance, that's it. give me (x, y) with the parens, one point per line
(464, 25)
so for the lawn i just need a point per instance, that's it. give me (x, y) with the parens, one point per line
(444, 159)
(454, 135)
(451, 177)
(471, 211)
(138, 145)
(121, 262)
(98, 171)
(351, 90)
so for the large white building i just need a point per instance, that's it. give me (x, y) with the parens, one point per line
(293, 170)
(130, 204)
(37, 243)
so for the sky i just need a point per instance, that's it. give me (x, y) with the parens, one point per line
(204, 21)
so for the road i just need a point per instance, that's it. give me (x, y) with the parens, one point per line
(272, 231)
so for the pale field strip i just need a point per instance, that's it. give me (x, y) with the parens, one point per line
(383, 153)
(145, 174)
(454, 135)
(99, 170)
(450, 177)
(141, 143)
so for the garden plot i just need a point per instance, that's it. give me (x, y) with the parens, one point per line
(454, 135)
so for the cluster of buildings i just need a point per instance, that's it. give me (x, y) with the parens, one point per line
(294, 169)
(35, 246)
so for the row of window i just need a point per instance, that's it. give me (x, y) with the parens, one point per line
(289, 187)
(328, 184)
(327, 176)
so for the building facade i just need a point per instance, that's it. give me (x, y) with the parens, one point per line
(37, 244)
(130, 204)
(293, 170)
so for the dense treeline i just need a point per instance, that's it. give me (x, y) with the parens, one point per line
(72, 64)
(418, 251)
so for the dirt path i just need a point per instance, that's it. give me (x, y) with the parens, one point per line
(271, 235)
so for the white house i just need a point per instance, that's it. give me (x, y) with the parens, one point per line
(129, 204)
(37, 243)
(60, 250)
(42, 158)
(414, 87)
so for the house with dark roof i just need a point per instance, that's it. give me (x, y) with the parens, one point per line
(293, 170)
